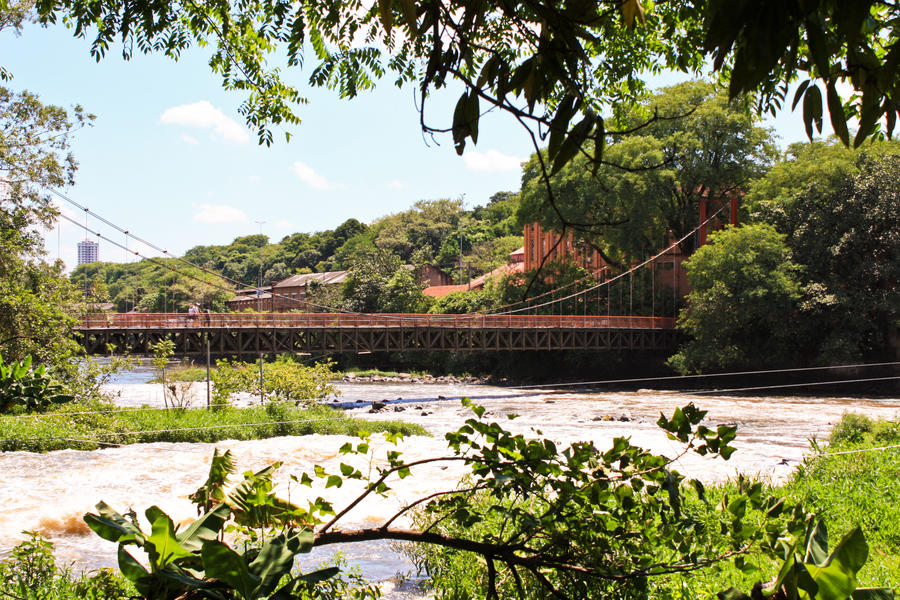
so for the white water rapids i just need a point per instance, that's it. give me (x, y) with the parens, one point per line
(50, 492)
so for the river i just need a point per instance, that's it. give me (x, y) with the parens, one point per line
(50, 492)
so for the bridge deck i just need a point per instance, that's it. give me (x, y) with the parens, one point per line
(249, 334)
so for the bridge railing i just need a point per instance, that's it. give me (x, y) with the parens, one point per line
(351, 320)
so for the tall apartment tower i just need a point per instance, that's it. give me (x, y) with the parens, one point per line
(88, 252)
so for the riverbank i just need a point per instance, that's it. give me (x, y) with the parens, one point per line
(50, 492)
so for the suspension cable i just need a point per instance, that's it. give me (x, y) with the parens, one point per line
(696, 376)
(167, 254)
(624, 273)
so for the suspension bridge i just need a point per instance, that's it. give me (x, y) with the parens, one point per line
(597, 312)
(246, 335)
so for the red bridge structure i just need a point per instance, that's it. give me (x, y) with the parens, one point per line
(246, 335)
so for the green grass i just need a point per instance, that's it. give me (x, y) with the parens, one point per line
(81, 426)
(380, 373)
(184, 374)
(862, 488)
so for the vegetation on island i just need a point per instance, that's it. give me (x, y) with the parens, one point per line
(37, 416)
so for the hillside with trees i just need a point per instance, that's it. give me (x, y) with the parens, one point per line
(431, 232)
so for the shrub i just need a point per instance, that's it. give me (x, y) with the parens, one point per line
(852, 428)
(31, 389)
(31, 573)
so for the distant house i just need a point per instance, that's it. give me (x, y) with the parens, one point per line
(429, 275)
(249, 299)
(516, 264)
(98, 307)
(290, 294)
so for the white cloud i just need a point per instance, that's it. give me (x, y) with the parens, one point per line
(283, 225)
(204, 114)
(309, 176)
(491, 161)
(396, 185)
(189, 140)
(212, 213)
(255, 178)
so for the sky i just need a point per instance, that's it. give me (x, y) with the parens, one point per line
(169, 158)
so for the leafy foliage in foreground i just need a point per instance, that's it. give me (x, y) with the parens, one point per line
(858, 488)
(788, 547)
(31, 573)
(195, 562)
(571, 523)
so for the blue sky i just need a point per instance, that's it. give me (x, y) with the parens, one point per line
(170, 159)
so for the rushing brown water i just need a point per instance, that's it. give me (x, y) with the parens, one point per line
(50, 492)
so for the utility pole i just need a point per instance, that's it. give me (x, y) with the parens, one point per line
(259, 309)
(462, 205)
(259, 272)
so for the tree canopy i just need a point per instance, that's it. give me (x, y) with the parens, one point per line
(701, 145)
(556, 67)
(744, 287)
(815, 280)
(844, 231)
(37, 302)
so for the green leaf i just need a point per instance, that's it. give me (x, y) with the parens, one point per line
(223, 563)
(852, 551)
(812, 110)
(460, 123)
(110, 525)
(334, 481)
(204, 529)
(408, 7)
(836, 112)
(817, 544)
(164, 541)
(473, 115)
(129, 566)
(276, 558)
(873, 594)
(573, 142)
(320, 575)
(559, 126)
(385, 9)
(799, 93)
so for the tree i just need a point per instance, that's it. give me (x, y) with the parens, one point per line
(379, 282)
(425, 226)
(744, 292)
(701, 146)
(37, 303)
(556, 67)
(843, 230)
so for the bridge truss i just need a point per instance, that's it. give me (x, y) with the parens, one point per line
(250, 335)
